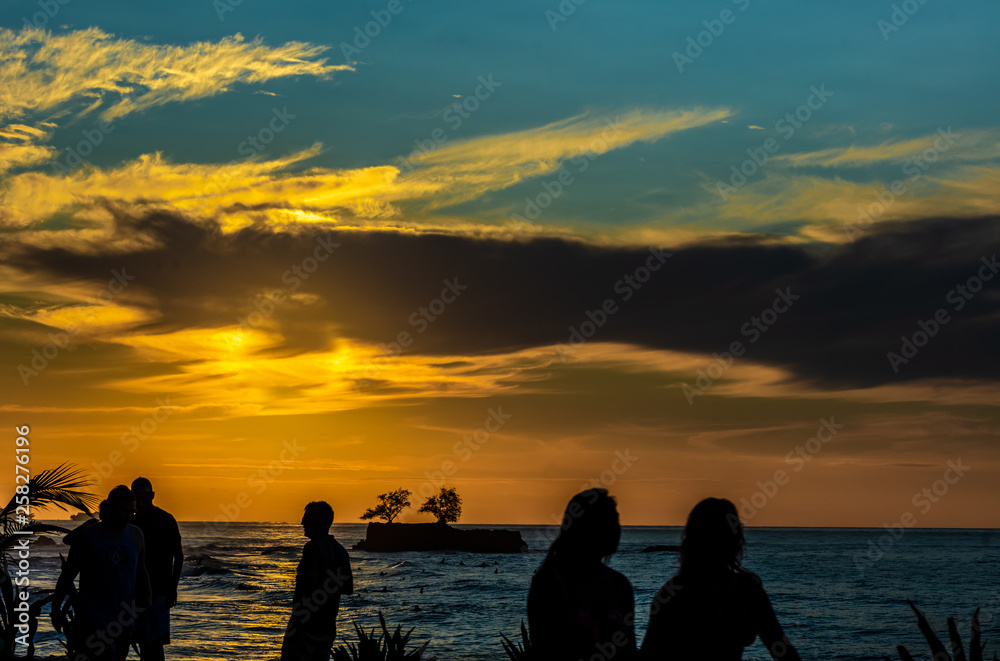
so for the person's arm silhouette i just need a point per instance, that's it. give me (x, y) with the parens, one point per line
(143, 588)
(343, 575)
(177, 555)
(630, 652)
(64, 585)
(308, 575)
(542, 623)
(659, 632)
(770, 631)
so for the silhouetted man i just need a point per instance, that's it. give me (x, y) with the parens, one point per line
(109, 557)
(323, 575)
(164, 558)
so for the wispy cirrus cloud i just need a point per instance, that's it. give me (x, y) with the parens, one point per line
(42, 71)
(279, 192)
(823, 206)
(494, 162)
(950, 173)
(19, 148)
(963, 145)
(149, 181)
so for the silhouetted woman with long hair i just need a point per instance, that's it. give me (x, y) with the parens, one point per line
(579, 607)
(712, 608)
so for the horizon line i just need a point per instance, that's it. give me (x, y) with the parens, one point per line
(555, 525)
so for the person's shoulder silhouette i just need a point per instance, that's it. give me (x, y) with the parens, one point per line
(712, 608)
(579, 607)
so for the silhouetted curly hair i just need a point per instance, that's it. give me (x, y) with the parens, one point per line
(321, 511)
(590, 529)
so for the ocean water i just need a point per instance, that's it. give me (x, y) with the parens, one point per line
(830, 608)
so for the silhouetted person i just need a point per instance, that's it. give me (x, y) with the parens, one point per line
(109, 557)
(164, 559)
(578, 607)
(324, 574)
(712, 608)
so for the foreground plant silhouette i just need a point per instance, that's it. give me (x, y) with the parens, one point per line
(517, 651)
(63, 487)
(937, 647)
(387, 647)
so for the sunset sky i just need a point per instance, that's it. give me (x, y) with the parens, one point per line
(262, 257)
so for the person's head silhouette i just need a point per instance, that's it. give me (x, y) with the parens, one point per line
(142, 489)
(317, 519)
(118, 508)
(713, 538)
(590, 529)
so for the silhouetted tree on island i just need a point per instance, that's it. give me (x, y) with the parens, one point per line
(446, 506)
(389, 506)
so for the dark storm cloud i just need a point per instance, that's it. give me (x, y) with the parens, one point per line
(854, 301)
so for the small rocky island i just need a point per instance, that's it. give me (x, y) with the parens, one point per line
(389, 537)
(447, 507)
(659, 548)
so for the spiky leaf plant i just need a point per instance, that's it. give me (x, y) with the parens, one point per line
(517, 651)
(386, 647)
(938, 650)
